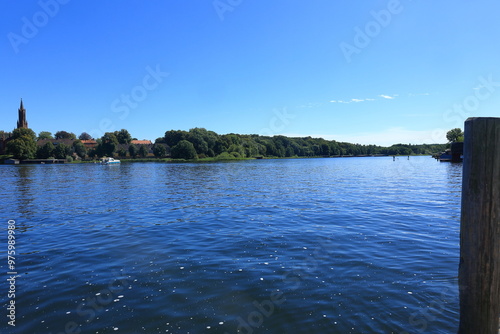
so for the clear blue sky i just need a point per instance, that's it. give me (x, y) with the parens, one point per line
(378, 72)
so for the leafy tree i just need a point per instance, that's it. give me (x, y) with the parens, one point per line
(21, 132)
(143, 151)
(79, 148)
(109, 143)
(160, 140)
(23, 144)
(92, 153)
(46, 151)
(84, 136)
(45, 135)
(132, 150)
(21, 148)
(173, 137)
(455, 135)
(61, 151)
(65, 135)
(122, 152)
(123, 136)
(184, 150)
(159, 150)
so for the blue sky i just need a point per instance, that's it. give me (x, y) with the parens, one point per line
(379, 72)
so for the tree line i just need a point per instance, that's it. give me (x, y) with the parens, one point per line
(198, 143)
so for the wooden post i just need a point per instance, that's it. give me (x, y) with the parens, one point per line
(479, 270)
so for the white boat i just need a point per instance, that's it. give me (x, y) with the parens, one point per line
(109, 161)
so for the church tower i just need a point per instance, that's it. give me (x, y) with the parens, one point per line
(22, 122)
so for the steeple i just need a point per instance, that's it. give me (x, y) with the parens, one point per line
(22, 122)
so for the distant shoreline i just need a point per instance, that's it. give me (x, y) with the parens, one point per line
(206, 160)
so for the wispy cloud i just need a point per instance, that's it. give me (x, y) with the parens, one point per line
(351, 101)
(388, 97)
(356, 100)
(381, 97)
(309, 105)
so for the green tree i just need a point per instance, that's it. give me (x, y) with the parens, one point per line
(79, 148)
(61, 151)
(173, 137)
(123, 136)
(21, 132)
(65, 135)
(159, 150)
(455, 135)
(143, 151)
(23, 144)
(109, 143)
(45, 135)
(184, 150)
(196, 138)
(84, 136)
(46, 151)
(122, 152)
(21, 148)
(132, 150)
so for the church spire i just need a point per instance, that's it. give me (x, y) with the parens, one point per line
(22, 122)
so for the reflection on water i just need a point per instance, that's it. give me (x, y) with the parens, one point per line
(362, 245)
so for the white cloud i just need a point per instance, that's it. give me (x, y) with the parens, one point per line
(419, 94)
(351, 100)
(387, 97)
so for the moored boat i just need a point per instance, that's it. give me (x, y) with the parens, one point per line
(109, 161)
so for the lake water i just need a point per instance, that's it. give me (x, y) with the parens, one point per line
(348, 245)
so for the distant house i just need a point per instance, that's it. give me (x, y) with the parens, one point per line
(147, 143)
(91, 143)
(141, 142)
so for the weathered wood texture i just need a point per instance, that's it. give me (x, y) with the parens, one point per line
(479, 270)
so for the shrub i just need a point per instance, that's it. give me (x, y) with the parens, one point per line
(225, 156)
(184, 150)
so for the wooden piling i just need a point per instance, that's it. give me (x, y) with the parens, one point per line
(479, 269)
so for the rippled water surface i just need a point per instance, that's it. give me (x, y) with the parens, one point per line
(353, 245)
